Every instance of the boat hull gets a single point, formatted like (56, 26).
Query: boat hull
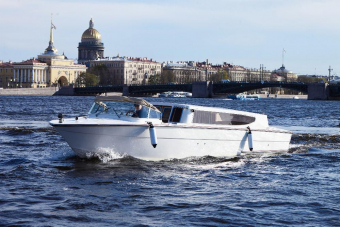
(173, 141)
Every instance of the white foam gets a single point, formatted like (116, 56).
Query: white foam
(228, 164)
(296, 145)
(193, 164)
(105, 154)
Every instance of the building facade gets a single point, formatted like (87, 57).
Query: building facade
(6, 74)
(128, 70)
(90, 47)
(286, 75)
(189, 71)
(49, 69)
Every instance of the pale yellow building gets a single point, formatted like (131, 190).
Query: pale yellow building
(49, 69)
(6, 73)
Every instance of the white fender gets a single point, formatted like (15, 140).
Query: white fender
(250, 139)
(243, 142)
(153, 135)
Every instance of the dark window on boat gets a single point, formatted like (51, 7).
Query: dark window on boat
(159, 108)
(166, 114)
(176, 114)
(206, 117)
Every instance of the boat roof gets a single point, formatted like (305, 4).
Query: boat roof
(206, 108)
(137, 101)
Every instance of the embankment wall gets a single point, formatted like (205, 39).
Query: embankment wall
(29, 91)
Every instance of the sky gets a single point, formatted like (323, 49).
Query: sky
(241, 32)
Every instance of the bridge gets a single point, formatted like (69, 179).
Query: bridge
(221, 88)
(315, 91)
(133, 89)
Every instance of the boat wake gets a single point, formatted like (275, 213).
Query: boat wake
(317, 140)
(303, 142)
(25, 130)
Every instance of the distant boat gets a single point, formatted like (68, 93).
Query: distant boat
(164, 94)
(245, 97)
(296, 97)
(176, 94)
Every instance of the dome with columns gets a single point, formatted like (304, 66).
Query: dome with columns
(91, 46)
(282, 69)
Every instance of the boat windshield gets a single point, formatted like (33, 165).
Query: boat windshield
(123, 109)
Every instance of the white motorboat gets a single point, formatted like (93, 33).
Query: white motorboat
(178, 94)
(164, 94)
(175, 94)
(166, 131)
(248, 97)
(245, 97)
(188, 94)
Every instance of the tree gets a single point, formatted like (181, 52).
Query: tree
(310, 79)
(322, 79)
(80, 81)
(167, 77)
(224, 75)
(86, 79)
(154, 79)
(91, 79)
(220, 75)
(104, 75)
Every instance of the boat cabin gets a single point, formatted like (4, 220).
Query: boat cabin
(190, 114)
(133, 109)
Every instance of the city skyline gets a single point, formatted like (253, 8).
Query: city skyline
(247, 32)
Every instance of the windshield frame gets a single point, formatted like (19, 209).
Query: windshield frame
(126, 109)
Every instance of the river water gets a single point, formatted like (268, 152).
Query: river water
(42, 182)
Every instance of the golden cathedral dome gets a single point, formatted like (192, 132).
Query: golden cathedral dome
(91, 33)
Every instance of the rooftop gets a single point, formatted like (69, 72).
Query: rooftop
(30, 61)
(118, 58)
(6, 64)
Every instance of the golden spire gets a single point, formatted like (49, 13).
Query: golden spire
(51, 32)
(50, 44)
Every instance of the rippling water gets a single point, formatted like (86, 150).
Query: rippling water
(42, 182)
